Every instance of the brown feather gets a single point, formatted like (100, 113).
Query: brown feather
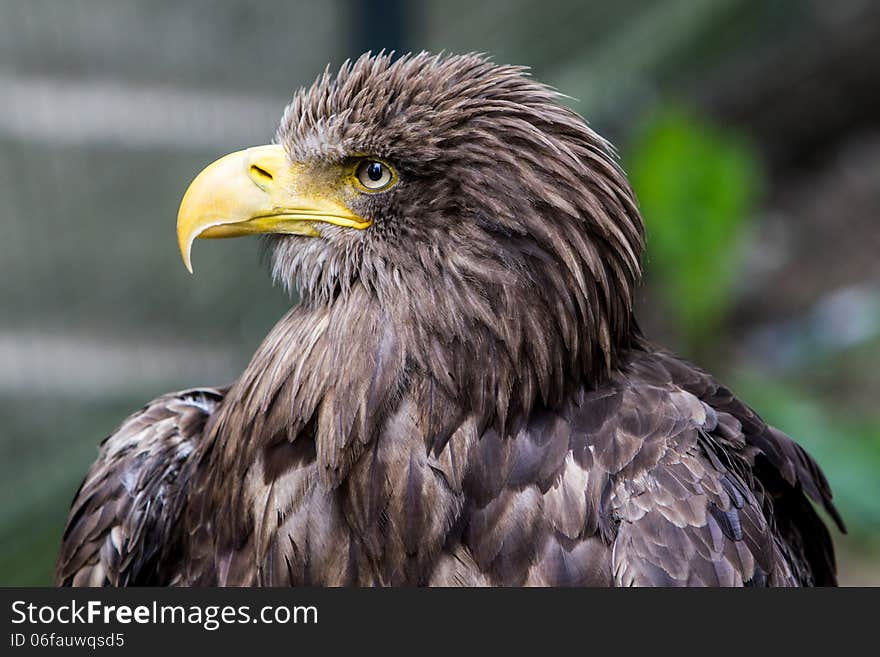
(462, 396)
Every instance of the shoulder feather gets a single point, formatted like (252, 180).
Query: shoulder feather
(120, 522)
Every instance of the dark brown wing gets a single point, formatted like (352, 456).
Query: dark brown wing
(121, 520)
(791, 479)
(657, 478)
(701, 490)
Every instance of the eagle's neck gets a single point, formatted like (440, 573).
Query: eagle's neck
(328, 376)
(322, 375)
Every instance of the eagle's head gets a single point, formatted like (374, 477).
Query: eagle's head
(459, 192)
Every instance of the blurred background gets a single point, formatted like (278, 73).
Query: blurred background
(751, 132)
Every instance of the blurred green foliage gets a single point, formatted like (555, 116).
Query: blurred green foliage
(845, 444)
(43, 462)
(697, 187)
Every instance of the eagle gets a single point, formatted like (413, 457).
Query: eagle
(461, 395)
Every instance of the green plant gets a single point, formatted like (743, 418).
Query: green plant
(697, 185)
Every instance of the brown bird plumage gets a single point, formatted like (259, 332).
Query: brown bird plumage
(463, 396)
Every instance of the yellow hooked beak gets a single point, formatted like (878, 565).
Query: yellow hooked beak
(256, 191)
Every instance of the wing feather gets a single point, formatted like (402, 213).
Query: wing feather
(119, 528)
(711, 495)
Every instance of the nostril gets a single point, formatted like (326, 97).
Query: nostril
(260, 173)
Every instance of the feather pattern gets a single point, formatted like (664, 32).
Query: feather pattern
(636, 482)
(126, 509)
(463, 396)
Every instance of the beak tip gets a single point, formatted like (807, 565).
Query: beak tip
(185, 246)
(187, 261)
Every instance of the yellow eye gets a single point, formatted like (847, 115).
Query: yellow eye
(374, 175)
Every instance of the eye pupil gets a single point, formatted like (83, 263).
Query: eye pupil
(374, 175)
(374, 171)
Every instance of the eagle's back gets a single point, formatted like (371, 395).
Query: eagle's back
(659, 476)
(699, 489)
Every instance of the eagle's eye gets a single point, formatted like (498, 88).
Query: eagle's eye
(375, 176)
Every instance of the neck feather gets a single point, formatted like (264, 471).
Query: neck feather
(332, 373)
